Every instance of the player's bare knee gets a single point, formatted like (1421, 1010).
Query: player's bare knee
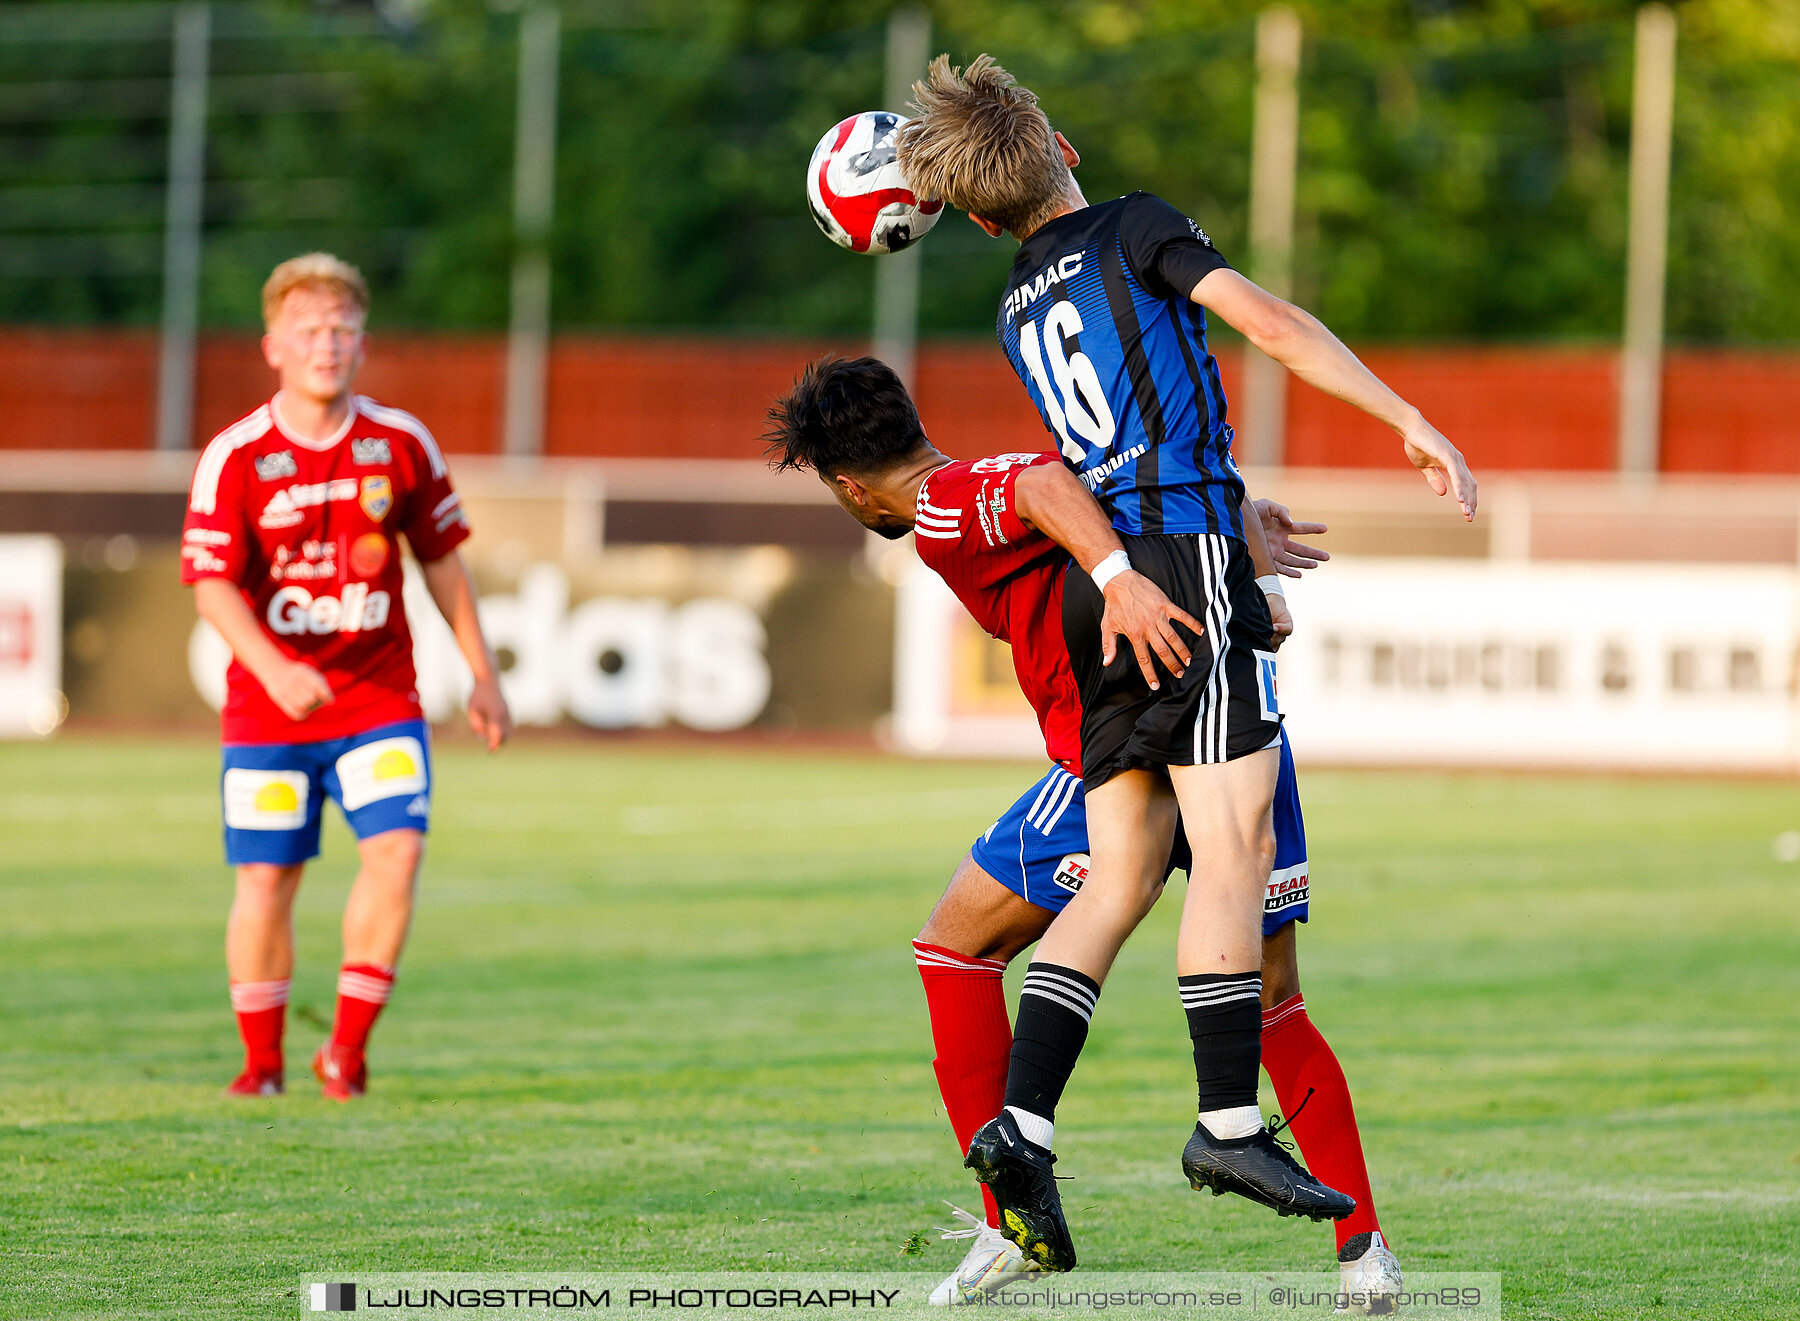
(267, 885)
(393, 855)
(1264, 847)
(1126, 899)
(979, 918)
(1256, 842)
(1148, 893)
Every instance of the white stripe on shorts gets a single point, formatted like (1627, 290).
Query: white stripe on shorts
(1069, 797)
(1212, 726)
(1047, 811)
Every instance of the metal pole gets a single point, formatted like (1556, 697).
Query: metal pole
(534, 201)
(192, 33)
(1274, 160)
(1647, 246)
(896, 330)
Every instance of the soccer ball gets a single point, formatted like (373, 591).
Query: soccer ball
(857, 193)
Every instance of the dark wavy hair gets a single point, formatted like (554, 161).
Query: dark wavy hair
(843, 415)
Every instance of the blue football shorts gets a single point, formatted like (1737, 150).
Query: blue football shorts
(1039, 848)
(274, 793)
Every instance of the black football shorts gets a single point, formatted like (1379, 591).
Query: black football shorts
(1222, 708)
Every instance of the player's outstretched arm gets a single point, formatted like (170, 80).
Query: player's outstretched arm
(1052, 499)
(454, 591)
(294, 686)
(1300, 342)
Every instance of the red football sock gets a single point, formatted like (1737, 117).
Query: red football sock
(261, 1009)
(969, 1027)
(363, 988)
(1299, 1061)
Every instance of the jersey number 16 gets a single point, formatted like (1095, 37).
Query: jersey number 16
(1076, 404)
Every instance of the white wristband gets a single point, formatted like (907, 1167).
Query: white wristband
(1109, 568)
(1271, 585)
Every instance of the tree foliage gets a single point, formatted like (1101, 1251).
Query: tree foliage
(1462, 169)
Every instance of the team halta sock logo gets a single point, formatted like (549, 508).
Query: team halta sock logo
(1072, 871)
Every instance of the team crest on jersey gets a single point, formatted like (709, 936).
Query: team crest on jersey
(377, 497)
(370, 449)
(273, 467)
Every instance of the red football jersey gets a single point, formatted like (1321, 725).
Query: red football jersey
(309, 531)
(1010, 578)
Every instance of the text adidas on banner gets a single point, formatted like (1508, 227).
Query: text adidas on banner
(608, 662)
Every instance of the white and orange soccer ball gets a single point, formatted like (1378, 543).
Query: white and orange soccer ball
(857, 193)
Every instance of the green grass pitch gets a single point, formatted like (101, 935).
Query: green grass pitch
(659, 1011)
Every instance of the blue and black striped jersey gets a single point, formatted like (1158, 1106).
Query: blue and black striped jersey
(1099, 326)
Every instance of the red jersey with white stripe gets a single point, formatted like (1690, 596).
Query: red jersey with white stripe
(309, 531)
(1010, 578)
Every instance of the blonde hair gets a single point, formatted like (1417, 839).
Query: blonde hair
(314, 270)
(979, 141)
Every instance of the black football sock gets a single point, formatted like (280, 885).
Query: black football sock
(1055, 1004)
(1224, 1013)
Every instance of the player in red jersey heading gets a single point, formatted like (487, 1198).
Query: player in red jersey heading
(292, 545)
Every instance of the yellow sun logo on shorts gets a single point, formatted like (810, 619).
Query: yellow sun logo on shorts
(276, 797)
(393, 765)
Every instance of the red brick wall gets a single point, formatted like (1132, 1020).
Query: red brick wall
(1731, 412)
(61, 390)
(687, 397)
(665, 398)
(1504, 408)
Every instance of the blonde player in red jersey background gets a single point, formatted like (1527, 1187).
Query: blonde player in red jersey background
(292, 545)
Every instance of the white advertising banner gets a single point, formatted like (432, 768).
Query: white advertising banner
(608, 662)
(1474, 663)
(1641, 666)
(31, 700)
